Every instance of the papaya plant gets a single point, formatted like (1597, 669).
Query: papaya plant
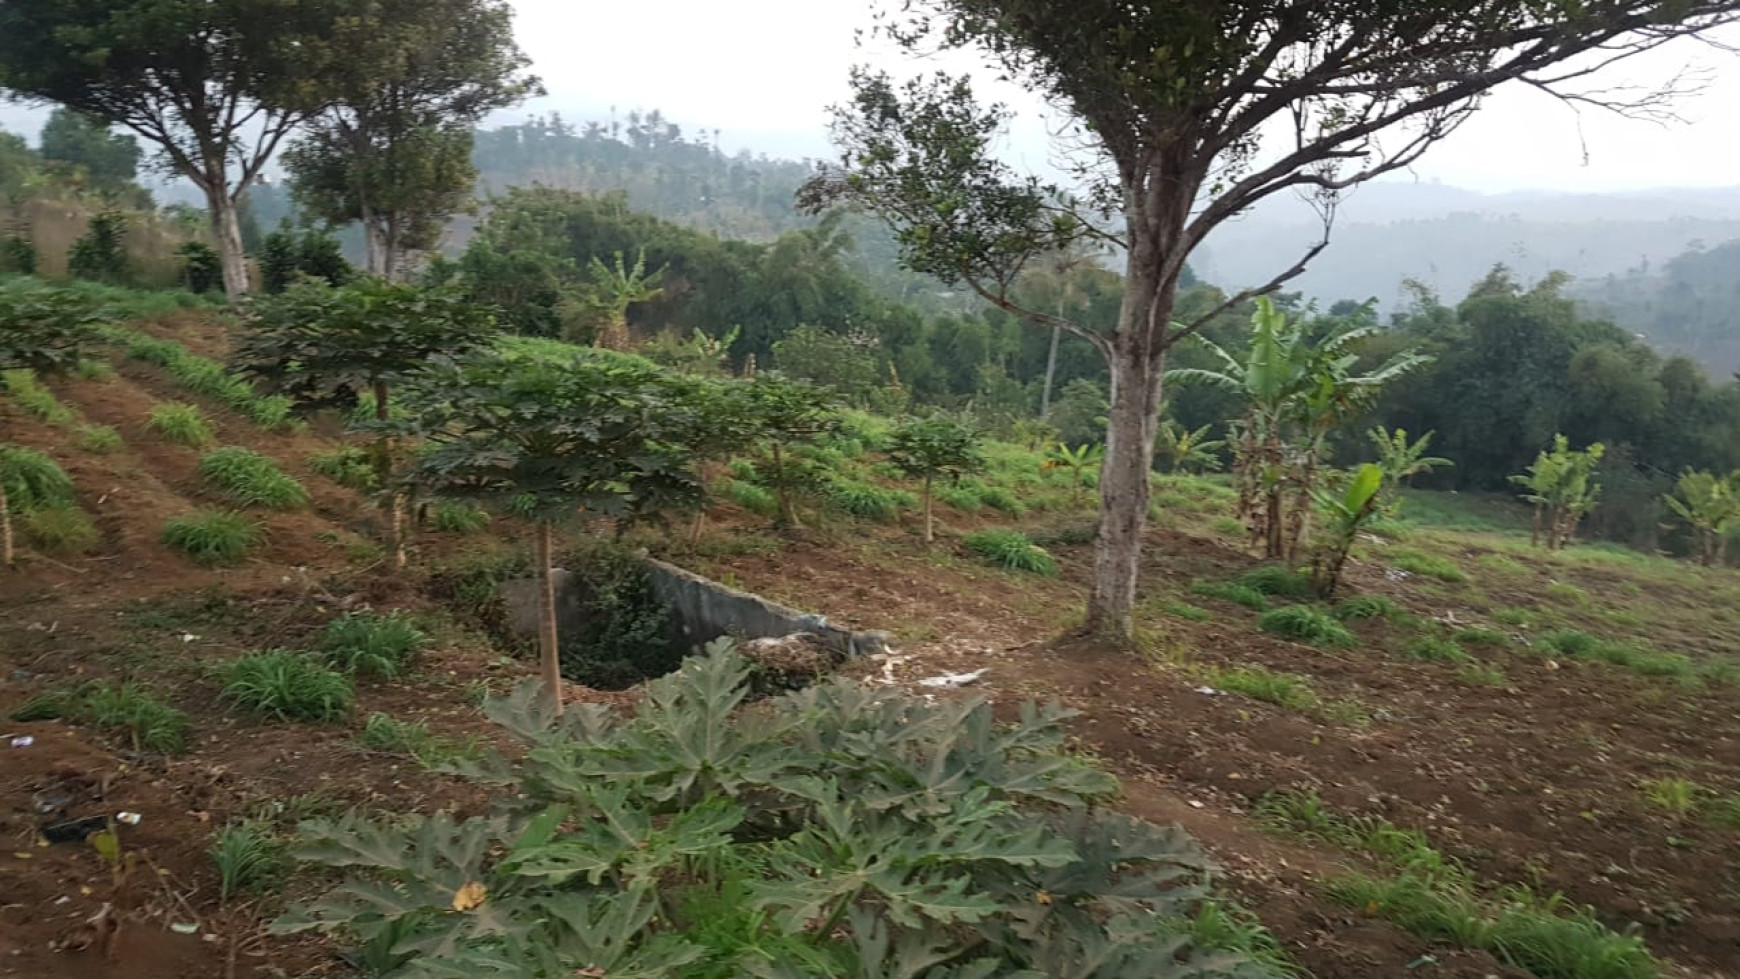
(326, 346)
(928, 449)
(602, 436)
(848, 831)
(785, 416)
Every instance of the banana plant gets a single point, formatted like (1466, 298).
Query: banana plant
(1561, 485)
(1344, 514)
(1710, 505)
(1078, 461)
(1401, 459)
(1187, 451)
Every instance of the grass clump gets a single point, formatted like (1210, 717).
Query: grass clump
(126, 710)
(1477, 635)
(962, 498)
(61, 529)
(1367, 607)
(458, 518)
(1520, 618)
(1287, 690)
(1502, 564)
(1434, 649)
(1644, 662)
(751, 497)
(382, 732)
(1012, 551)
(251, 479)
(371, 645)
(182, 423)
(1678, 797)
(866, 501)
(33, 479)
(289, 686)
(1429, 566)
(1227, 591)
(1223, 924)
(1303, 623)
(1188, 612)
(248, 858)
(100, 439)
(348, 466)
(1276, 581)
(1567, 594)
(33, 397)
(213, 538)
(1477, 674)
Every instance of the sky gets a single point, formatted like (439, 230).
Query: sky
(764, 73)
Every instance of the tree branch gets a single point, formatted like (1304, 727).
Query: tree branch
(1246, 295)
(1002, 302)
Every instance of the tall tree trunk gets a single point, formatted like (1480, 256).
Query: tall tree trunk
(788, 516)
(550, 653)
(929, 534)
(1124, 480)
(226, 227)
(384, 474)
(1051, 367)
(372, 244)
(7, 557)
(1535, 531)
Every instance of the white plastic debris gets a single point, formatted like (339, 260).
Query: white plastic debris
(182, 928)
(23, 741)
(953, 679)
(130, 818)
(1208, 691)
(1195, 805)
(188, 637)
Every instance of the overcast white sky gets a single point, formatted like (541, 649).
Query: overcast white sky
(764, 72)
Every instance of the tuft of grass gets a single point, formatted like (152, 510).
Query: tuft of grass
(1228, 527)
(1481, 675)
(1188, 612)
(1000, 499)
(1276, 581)
(1287, 690)
(1644, 662)
(1428, 565)
(183, 424)
(213, 538)
(1306, 624)
(1724, 811)
(1367, 607)
(61, 529)
(36, 399)
(100, 439)
(1226, 591)
(1477, 635)
(348, 466)
(962, 498)
(1502, 564)
(458, 518)
(383, 732)
(248, 858)
(751, 497)
(251, 479)
(1012, 551)
(90, 369)
(866, 501)
(33, 479)
(1436, 650)
(1567, 594)
(1678, 797)
(1223, 924)
(371, 645)
(1520, 618)
(127, 710)
(287, 685)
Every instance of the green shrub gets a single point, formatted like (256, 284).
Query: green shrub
(371, 645)
(94, 370)
(1226, 591)
(62, 529)
(865, 501)
(100, 439)
(1276, 581)
(33, 480)
(248, 858)
(1306, 624)
(1367, 607)
(962, 498)
(183, 424)
(449, 517)
(287, 685)
(1228, 527)
(1434, 649)
(25, 389)
(999, 499)
(687, 883)
(1428, 566)
(1012, 551)
(148, 724)
(348, 466)
(627, 635)
(251, 479)
(213, 538)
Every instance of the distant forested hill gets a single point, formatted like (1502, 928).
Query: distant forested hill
(1688, 305)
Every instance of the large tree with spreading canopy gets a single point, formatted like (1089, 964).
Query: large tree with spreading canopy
(1186, 114)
